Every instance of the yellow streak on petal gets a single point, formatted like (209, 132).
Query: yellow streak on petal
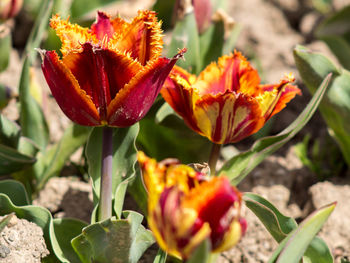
(266, 100)
(71, 35)
(231, 237)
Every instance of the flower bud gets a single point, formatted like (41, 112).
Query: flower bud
(9, 8)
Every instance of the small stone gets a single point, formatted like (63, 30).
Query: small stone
(4, 251)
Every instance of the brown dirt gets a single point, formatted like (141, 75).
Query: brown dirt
(22, 241)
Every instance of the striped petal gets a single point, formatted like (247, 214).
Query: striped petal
(103, 27)
(101, 73)
(135, 99)
(142, 38)
(73, 100)
(228, 117)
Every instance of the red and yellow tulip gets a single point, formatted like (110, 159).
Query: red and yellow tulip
(185, 208)
(226, 102)
(111, 73)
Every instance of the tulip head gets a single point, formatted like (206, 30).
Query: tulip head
(111, 73)
(9, 8)
(185, 208)
(226, 102)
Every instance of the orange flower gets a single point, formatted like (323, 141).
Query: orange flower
(185, 207)
(226, 102)
(111, 73)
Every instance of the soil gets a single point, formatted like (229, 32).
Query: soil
(271, 29)
(22, 241)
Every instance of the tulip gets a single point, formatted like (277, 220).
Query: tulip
(185, 208)
(109, 74)
(9, 8)
(226, 102)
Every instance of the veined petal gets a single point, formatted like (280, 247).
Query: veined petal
(232, 73)
(73, 101)
(228, 117)
(135, 99)
(287, 95)
(71, 35)
(217, 203)
(178, 93)
(101, 72)
(142, 38)
(102, 27)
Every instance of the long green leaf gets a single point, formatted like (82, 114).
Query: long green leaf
(80, 8)
(292, 248)
(5, 46)
(240, 165)
(12, 161)
(160, 257)
(335, 108)
(9, 132)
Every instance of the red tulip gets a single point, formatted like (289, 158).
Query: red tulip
(110, 74)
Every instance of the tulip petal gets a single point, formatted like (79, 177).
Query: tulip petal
(232, 73)
(102, 27)
(214, 200)
(142, 38)
(178, 93)
(73, 101)
(228, 117)
(71, 35)
(134, 100)
(101, 73)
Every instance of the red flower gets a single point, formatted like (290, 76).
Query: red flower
(109, 74)
(226, 102)
(185, 208)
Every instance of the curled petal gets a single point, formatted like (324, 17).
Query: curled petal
(142, 38)
(73, 101)
(135, 99)
(228, 117)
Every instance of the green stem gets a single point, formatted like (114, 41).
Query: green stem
(213, 158)
(105, 204)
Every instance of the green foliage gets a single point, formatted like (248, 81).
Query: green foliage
(5, 46)
(124, 158)
(335, 31)
(240, 165)
(113, 240)
(82, 7)
(201, 253)
(335, 108)
(12, 161)
(160, 257)
(283, 228)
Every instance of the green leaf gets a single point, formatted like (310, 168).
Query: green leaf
(113, 240)
(335, 31)
(38, 215)
(240, 165)
(80, 8)
(160, 257)
(335, 108)
(201, 253)
(5, 221)
(9, 132)
(124, 156)
(211, 43)
(277, 224)
(15, 191)
(66, 229)
(292, 248)
(164, 11)
(5, 46)
(50, 164)
(38, 30)
(32, 118)
(185, 34)
(318, 252)
(12, 161)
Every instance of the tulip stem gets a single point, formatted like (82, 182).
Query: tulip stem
(105, 204)
(213, 158)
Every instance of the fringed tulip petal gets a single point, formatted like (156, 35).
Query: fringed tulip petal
(73, 101)
(185, 208)
(142, 38)
(115, 64)
(71, 35)
(133, 101)
(226, 103)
